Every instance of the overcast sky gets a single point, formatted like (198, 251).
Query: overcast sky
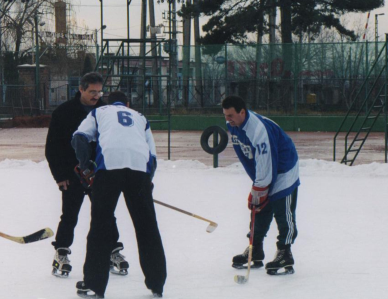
(115, 17)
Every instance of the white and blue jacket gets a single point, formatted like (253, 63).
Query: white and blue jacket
(267, 154)
(124, 138)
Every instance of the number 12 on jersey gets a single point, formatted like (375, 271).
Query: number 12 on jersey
(262, 148)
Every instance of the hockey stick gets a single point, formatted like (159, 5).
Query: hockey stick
(240, 279)
(37, 236)
(212, 226)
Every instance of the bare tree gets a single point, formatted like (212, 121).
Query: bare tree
(18, 20)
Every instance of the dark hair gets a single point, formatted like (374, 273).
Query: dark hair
(90, 78)
(117, 96)
(234, 102)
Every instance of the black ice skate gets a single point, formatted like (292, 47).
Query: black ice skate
(61, 263)
(118, 265)
(156, 295)
(283, 259)
(84, 291)
(240, 260)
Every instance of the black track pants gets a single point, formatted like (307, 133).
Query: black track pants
(136, 187)
(283, 210)
(72, 200)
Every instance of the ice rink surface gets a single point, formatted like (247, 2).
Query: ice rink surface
(341, 218)
(23, 143)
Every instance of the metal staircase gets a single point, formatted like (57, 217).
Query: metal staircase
(136, 64)
(368, 106)
(132, 64)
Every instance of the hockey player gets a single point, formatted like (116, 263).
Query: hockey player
(62, 161)
(271, 161)
(126, 161)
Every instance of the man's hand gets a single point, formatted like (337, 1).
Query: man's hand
(63, 185)
(258, 198)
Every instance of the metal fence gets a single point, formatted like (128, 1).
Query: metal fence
(292, 79)
(19, 100)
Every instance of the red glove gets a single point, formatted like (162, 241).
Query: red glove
(258, 198)
(86, 176)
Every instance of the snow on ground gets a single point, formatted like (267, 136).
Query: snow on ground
(340, 251)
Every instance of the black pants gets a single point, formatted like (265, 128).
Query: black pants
(72, 200)
(136, 187)
(283, 210)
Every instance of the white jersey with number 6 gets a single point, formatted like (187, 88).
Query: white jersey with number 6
(123, 135)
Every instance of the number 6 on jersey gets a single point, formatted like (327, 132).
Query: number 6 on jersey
(124, 118)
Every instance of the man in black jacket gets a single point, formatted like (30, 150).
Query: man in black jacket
(62, 160)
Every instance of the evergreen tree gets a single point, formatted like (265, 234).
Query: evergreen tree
(309, 16)
(231, 20)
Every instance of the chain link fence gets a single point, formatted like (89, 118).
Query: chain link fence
(278, 79)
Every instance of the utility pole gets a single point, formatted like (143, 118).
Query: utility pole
(198, 61)
(128, 33)
(37, 71)
(173, 49)
(376, 32)
(102, 31)
(1, 56)
(155, 61)
(1, 60)
(186, 58)
(376, 26)
(377, 39)
(142, 62)
(96, 45)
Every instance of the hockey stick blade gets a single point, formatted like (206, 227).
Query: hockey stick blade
(240, 279)
(37, 236)
(211, 227)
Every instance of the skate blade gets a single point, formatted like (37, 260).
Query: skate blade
(121, 272)
(287, 271)
(60, 274)
(84, 294)
(255, 265)
(240, 279)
